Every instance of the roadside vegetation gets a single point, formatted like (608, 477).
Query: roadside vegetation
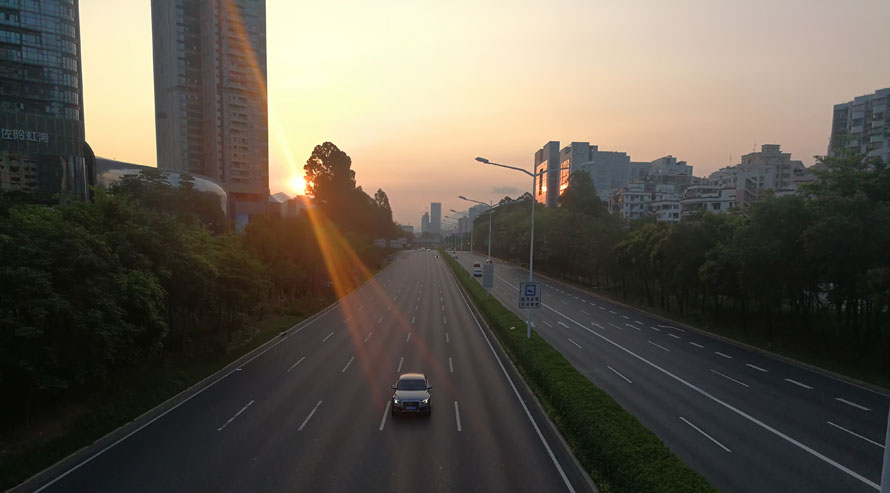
(110, 307)
(619, 453)
(806, 275)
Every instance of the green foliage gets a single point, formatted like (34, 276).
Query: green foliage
(617, 451)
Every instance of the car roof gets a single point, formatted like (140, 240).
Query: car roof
(412, 376)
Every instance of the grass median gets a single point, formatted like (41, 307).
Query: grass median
(619, 453)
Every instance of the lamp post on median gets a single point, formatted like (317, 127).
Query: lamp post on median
(467, 216)
(490, 212)
(531, 249)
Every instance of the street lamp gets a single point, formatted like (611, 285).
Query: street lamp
(490, 211)
(531, 249)
(467, 215)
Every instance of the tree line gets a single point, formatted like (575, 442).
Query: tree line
(145, 270)
(809, 270)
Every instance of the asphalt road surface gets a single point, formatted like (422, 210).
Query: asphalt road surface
(747, 421)
(310, 412)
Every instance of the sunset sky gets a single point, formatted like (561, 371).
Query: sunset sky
(413, 91)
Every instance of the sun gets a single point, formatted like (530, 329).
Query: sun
(297, 184)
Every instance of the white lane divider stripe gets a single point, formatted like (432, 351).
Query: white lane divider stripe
(709, 437)
(327, 337)
(347, 319)
(671, 327)
(660, 347)
(564, 302)
(730, 378)
(235, 416)
(389, 308)
(612, 312)
(385, 414)
(845, 401)
(855, 434)
(380, 319)
(560, 323)
(368, 336)
(637, 321)
(457, 416)
(718, 353)
(401, 360)
(675, 336)
(755, 367)
(597, 325)
(309, 417)
(795, 382)
(347, 365)
(625, 317)
(632, 326)
(656, 329)
(696, 344)
(575, 343)
(585, 312)
(450, 365)
(295, 364)
(408, 339)
(412, 320)
(619, 374)
(547, 323)
(447, 339)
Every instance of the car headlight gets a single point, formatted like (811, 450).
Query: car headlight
(395, 400)
(426, 401)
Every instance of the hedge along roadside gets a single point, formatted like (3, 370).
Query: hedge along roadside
(618, 452)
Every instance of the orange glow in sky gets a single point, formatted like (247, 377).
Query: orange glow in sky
(414, 91)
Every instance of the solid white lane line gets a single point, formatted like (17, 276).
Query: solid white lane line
(671, 327)
(450, 365)
(705, 434)
(718, 353)
(235, 416)
(547, 323)
(408, 339)
(327, 337)
(347, 365)
(309, 417)
(845, 401)
(730, 378)
(585, 312)
(447, 339)
(619, 374)
(656, 329)
(380, 319)
(575, 343)
(795, 382)
(457, 416)
(401, 360)
(661, 347)
(368, 336)
(675, 336)
(560, 323)
(295, 364)
(755, 367)
(705, 394)
(385, 414)
(855, 434)
(696, 345)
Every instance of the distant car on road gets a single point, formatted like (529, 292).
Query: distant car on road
(477, 270)
(477, 264)
(488, 261)
(411, 394)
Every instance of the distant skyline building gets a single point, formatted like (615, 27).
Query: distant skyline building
(436, 217)
(211, 113)
(42, 148)
(425, 223)
(863, 124)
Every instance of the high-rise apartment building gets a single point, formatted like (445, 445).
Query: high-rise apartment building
(863, 124)
(41, 100)
(211, 113)
(436, 218)
(425, 223)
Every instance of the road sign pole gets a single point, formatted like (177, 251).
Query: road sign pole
(531, 259)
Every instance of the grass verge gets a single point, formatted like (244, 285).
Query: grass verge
(619, 453)
(26, 452)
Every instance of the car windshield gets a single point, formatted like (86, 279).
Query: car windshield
(411, 384)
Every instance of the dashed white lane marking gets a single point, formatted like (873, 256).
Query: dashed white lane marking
(597, 325)
(601, 307)
(619, 374)
(632, 326)
(755, 367)
(637, 321)
(389, 308)
(457, 416)
(855, 434)
(368, 336)
(444, 320)
(616, 326)
(443, 308)
(347, 365)
(447, 339)
(561, 323)
(347, 320)
(235, 416)
(696, 345)
(671, 327)
(660, 347)
(327, 337)
(656, 329)
(612, 312)
(718, 353)
(408, 339)
(564, 302)
(857, 406)
(795, 382)
(309, 417)
(575, 343)
(585, 312)
(385, 414)
(380, 319)
(295, 364)
(412, 320)
(450, 365)
(401, 360)
(547, 323)
(625, 317)
(730, 378)
(675, 336)
(709, 437)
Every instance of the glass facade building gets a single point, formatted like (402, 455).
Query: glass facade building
(41, 100)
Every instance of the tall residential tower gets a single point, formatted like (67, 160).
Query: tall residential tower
(863, 125)
(211, 113)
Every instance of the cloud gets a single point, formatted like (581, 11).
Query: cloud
(506, 190)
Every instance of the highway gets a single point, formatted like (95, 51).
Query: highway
(748, 422)
(309, 411)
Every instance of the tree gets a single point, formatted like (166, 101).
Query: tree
(329, 176)
(580, 196)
